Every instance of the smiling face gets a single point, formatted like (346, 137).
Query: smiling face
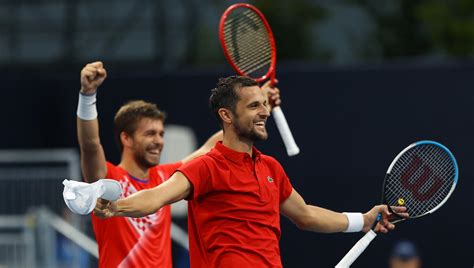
(251, 114)
(146, 143)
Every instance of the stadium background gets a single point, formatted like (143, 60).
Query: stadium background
(360, 80)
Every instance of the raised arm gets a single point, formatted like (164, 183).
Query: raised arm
(93, 163)
(148, 201)
(317, 219)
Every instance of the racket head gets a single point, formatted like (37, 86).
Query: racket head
(248, 42)
(421, 177)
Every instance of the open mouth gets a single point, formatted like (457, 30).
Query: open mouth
(260, 124)
(154, 151)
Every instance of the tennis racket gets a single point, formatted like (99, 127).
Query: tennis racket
(249, 46)
(422, 177)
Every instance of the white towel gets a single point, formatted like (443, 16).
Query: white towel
(81, 197)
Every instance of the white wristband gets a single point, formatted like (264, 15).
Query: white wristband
(86, 109)
(356, 222)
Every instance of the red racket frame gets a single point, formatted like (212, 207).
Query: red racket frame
(271, 72)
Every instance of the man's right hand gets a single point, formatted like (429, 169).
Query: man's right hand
(384, 225)
(105, 209)
(92, 76)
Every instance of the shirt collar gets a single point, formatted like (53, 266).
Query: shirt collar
(234, 156)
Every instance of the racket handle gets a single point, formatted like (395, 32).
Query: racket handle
(285, 132)
(356, 250)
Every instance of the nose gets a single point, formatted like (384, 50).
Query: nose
(265, 111)
(158, 139)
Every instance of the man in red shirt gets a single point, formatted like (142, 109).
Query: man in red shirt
(128, 242)
(236, 193)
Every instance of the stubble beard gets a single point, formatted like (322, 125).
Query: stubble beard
(141, 159)
(251, 134)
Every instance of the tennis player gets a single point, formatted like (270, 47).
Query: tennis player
(236, 193)
(128, 242)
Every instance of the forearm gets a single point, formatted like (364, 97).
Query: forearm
(93, 163)
(211, 142)
(88, 132)
(324, 220)
(317, 219)
(140, 204)
(218, 136)
(149, 201)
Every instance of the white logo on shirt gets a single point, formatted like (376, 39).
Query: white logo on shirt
(143, 223)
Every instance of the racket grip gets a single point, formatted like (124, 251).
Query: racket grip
(356, 250)
(285, 132)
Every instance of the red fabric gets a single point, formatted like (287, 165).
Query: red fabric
(136, 242)
(234, 210)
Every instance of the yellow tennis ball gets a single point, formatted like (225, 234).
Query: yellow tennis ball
(401, 201)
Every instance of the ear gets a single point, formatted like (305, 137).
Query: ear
(125, 139)
(226, 115)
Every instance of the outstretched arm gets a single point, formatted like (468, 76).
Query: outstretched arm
(148, 201)
(93, 163)
(312, 218)
(317, 219)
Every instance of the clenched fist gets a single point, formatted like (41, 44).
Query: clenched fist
(92, 76)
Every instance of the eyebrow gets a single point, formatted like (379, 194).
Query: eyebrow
(148, 131)
(253, 103)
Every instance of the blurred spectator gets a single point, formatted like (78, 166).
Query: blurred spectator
(404, 255)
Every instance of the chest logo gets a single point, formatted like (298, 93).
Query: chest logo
(270, 179)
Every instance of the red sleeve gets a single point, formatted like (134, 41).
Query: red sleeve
(199, 175)
(285, 185)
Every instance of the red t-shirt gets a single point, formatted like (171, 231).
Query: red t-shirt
(136, 242)
(234, 209)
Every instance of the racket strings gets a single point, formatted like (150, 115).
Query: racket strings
(237, 23)
(248, 42)
(418, 188)
(249, 51)
(423, 177)
(445, 171)
(252, 59)
(249, 27)
(243, 50)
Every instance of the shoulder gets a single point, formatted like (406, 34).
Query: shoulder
(212, 156)
(270, 160)
(207, 163)
(113, 171)
(110, 165)
(167, 166)
(205, 159)
(164, 171)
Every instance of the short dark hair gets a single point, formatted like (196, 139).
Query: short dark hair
(225, 94)
(129, 115)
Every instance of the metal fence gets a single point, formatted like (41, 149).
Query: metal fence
(29, 201)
